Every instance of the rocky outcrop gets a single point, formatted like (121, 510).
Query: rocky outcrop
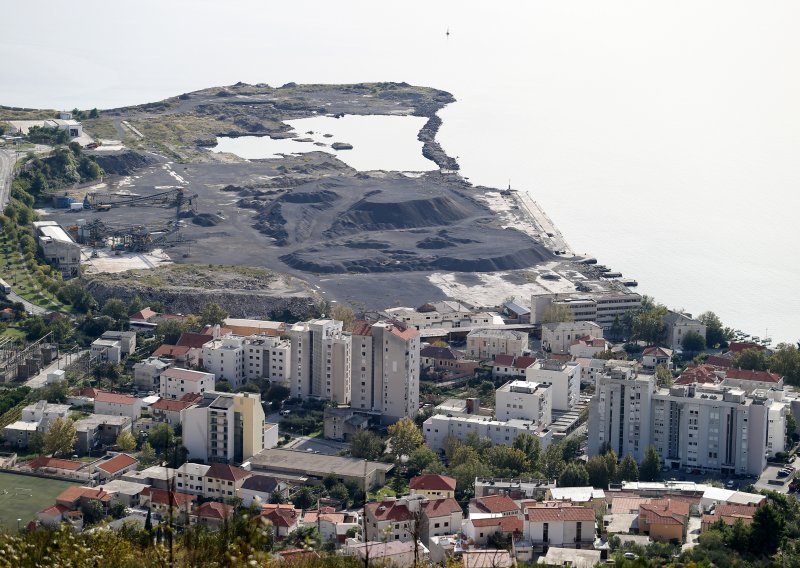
(122, 163)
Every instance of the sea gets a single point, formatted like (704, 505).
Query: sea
(661, 137)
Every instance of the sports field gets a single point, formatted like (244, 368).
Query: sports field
(22, 496)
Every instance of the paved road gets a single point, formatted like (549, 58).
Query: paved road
(40, 380)
(7, 160)
(30, 308)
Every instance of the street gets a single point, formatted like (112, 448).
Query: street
(40, 380)
(30, 308)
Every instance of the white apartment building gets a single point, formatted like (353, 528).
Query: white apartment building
(224, 357)
(225, 427)
(558, 337)
(147, 373)
(564, 378)
(127, 340)
(486, 343)
(267, 357)
(35, 418)
(189, 478)
(447, 315)
(321, 360)
(106, 350)
(114, 404)
(558, 524)
(175, 382)
(439, 426)
(385, 369)
(678, 325)
(600, 302)
(523, 400)
(619, 412)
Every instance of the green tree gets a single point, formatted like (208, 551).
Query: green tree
(126, 442)
(135, 305)
(345, 315)
(531, 447)
(161, 437)
(556, 313)
(751, 360)
(405, 437)
(94, 113)
(693, 342)
(213, 314)
(424, 460)
(791, 427)
(648, 325)
(367, 445)
(785, 361)
(505, 461)
(628, 469)
(767, 529)
(116, 309)
(650, 469)
(715, 334)
(147, 455)
(610, 457)
(36, 443)
(277, 498)
(92, 511)
(597, 471)
(339, 492)
(277, 393)
(148, 522)
(465, 475)
(117, 510)
(553, 461)
(60, 438)
(617, 331)
(574, 475)
(304, 499)
(663, 376)
(171, 330)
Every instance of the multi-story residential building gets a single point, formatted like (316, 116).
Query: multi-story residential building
(654, 356)
(440, 517)
(173, 411)
(558, 337)
(225, 427)
(486, 343)
(127, 340)
(98, 431)
(223, 481)
(106, 350)
(559, 524)
(321, 360)
(510, 366)
(58, 248)
(177, 383)
(146, 373)
(267, 357)
(412, 517)
(35, 418)
(479, 529)
(224, 356)
(524, 400)
(115, 404)
(563, 378)
(189, 478)
(619, 412)
(678, 325)
(439, 427)
(514, 488)
(385, 369)
(588, 347)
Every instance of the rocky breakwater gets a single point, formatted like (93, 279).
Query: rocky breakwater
(242, 291)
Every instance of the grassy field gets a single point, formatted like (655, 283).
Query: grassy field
(21, 497)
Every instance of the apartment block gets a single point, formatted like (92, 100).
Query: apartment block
(225, 358)
(558, 337)
(321, 360)
(564, 378)
(486, 343)
(438, 427)
(600, 301)
(147, 373)
(385, 369)
(225, 427)
(177, 383)
(523, 400)
(267, 357)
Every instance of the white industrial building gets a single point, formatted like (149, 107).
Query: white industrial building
(600, 301)
(58, 248)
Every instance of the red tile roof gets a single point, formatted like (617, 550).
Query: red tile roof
(195, 340)
(664, 512)
(88, 392)
(115, 398)
(143, 315)
(118, 463)
(698, 374)
(362, 328)
(54, 510)
(503, 360)
(553, 512)
(54, 463)
(280, 515)
(496, 504)
(169, 405)
(226, 472)
(172, 351)
(507, 524)
(162, 497)
(737, 346)
(657, 351)
(763, 376)
(719, 361)
(388, 511)
(432, 482)
(441, 507)
(72, 494)
(523, 362)
(214, 510)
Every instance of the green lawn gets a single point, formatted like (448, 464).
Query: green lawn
(22, 496)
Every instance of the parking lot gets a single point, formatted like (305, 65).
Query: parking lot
(769, 480)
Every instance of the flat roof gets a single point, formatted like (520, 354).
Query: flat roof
(56, 233)
(314, 464)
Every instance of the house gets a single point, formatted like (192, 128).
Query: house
(168, 503)
(395, 554)
(74, 497)
(175, 382)
(146, 373)
(555, 523)
(127, 340)
(106, 350)
(115, 467)
(52, 515)
(664, 520)
(259, 489)
(678, 326)
(511, 366)
(173, 411)
(223, 481)
(54, 466)
(495, 505)
(487, 343)
(654, 356)
(189, 478)
(584, 496)
(588, 346)
(440, 517)
(126, 492)
(446, 361)
(729, 514)
(99, 430)
(479, 530)
(211, 514)
(391, 519)
(181, 355)
(557, 337)
(433, 486)
(340, 423)
(284, 518)
(115, 404)
(332, 526)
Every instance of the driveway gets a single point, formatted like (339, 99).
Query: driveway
(692, 533)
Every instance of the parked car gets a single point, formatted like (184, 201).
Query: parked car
(285, 412)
